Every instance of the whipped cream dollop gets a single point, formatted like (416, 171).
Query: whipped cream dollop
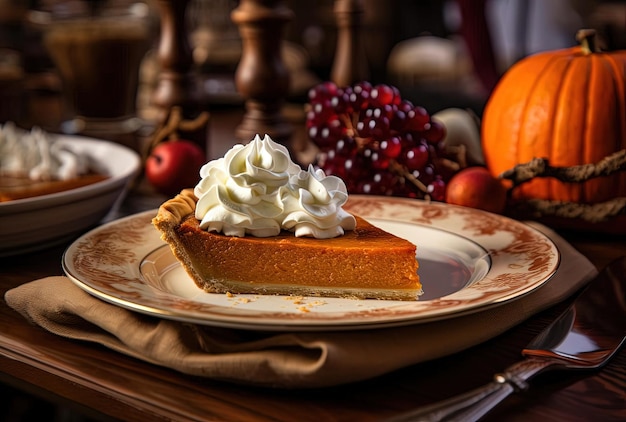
(257, 189)
(35, 155)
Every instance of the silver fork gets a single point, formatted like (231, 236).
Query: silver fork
(584, 336)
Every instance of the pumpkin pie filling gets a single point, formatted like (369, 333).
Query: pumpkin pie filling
(12, 188)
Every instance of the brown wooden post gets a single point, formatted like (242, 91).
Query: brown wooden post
(261, 77)
(350, 62)
(176, 83)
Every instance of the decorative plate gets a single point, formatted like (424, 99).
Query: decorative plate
(469, 260)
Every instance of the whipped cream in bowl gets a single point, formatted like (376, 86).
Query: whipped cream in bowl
(38, 156)
(256, 189)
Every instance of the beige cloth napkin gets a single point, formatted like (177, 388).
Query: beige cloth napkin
(295, 360)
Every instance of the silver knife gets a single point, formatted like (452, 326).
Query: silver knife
(584, 336)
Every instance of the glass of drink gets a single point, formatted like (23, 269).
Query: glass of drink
(98, 55)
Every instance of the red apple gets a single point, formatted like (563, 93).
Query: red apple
(475, 187)
(174, 165)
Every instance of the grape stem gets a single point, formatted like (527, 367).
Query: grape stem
(350, 128)
(351, 131)
(460, 153)
(394, 166)
(402, 171)
(452, 165)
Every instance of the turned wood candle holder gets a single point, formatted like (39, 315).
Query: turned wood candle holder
(176, 83)
(261, 77)
(350, 63)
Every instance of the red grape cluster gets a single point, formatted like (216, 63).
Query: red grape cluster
(377, 142)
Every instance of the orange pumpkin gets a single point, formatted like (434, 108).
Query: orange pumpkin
(568, 106)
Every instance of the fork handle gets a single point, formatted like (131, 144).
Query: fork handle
(469, 406)
(474, 404)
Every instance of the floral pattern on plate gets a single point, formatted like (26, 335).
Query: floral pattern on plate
(469, 260)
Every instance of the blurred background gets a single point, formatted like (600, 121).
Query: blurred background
(439, 53)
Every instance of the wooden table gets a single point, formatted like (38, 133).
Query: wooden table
(100, 382)
(108, 385)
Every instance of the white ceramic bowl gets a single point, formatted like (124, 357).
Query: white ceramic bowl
(35, 223)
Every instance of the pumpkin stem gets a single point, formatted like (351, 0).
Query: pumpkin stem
(587, 40)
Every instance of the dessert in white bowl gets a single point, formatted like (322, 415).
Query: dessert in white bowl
(39, 221)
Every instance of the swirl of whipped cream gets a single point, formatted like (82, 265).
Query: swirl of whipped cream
(239, 194)
(313, 205)
(256, 189)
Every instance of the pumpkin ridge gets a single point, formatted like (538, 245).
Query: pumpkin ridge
(547, 186)
(525, 115)
(620, 86)
(562, 94)
(587, 130)
(619, 80)
(616, 123)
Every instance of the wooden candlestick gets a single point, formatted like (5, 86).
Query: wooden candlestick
(261, 77)
(350, 62)
(176, 83)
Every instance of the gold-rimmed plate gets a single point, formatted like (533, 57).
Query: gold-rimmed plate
(470, 260)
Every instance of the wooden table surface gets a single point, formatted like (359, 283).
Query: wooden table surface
(110, 384)
(102, 383)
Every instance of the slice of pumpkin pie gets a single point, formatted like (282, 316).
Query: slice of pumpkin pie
(258, 223)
